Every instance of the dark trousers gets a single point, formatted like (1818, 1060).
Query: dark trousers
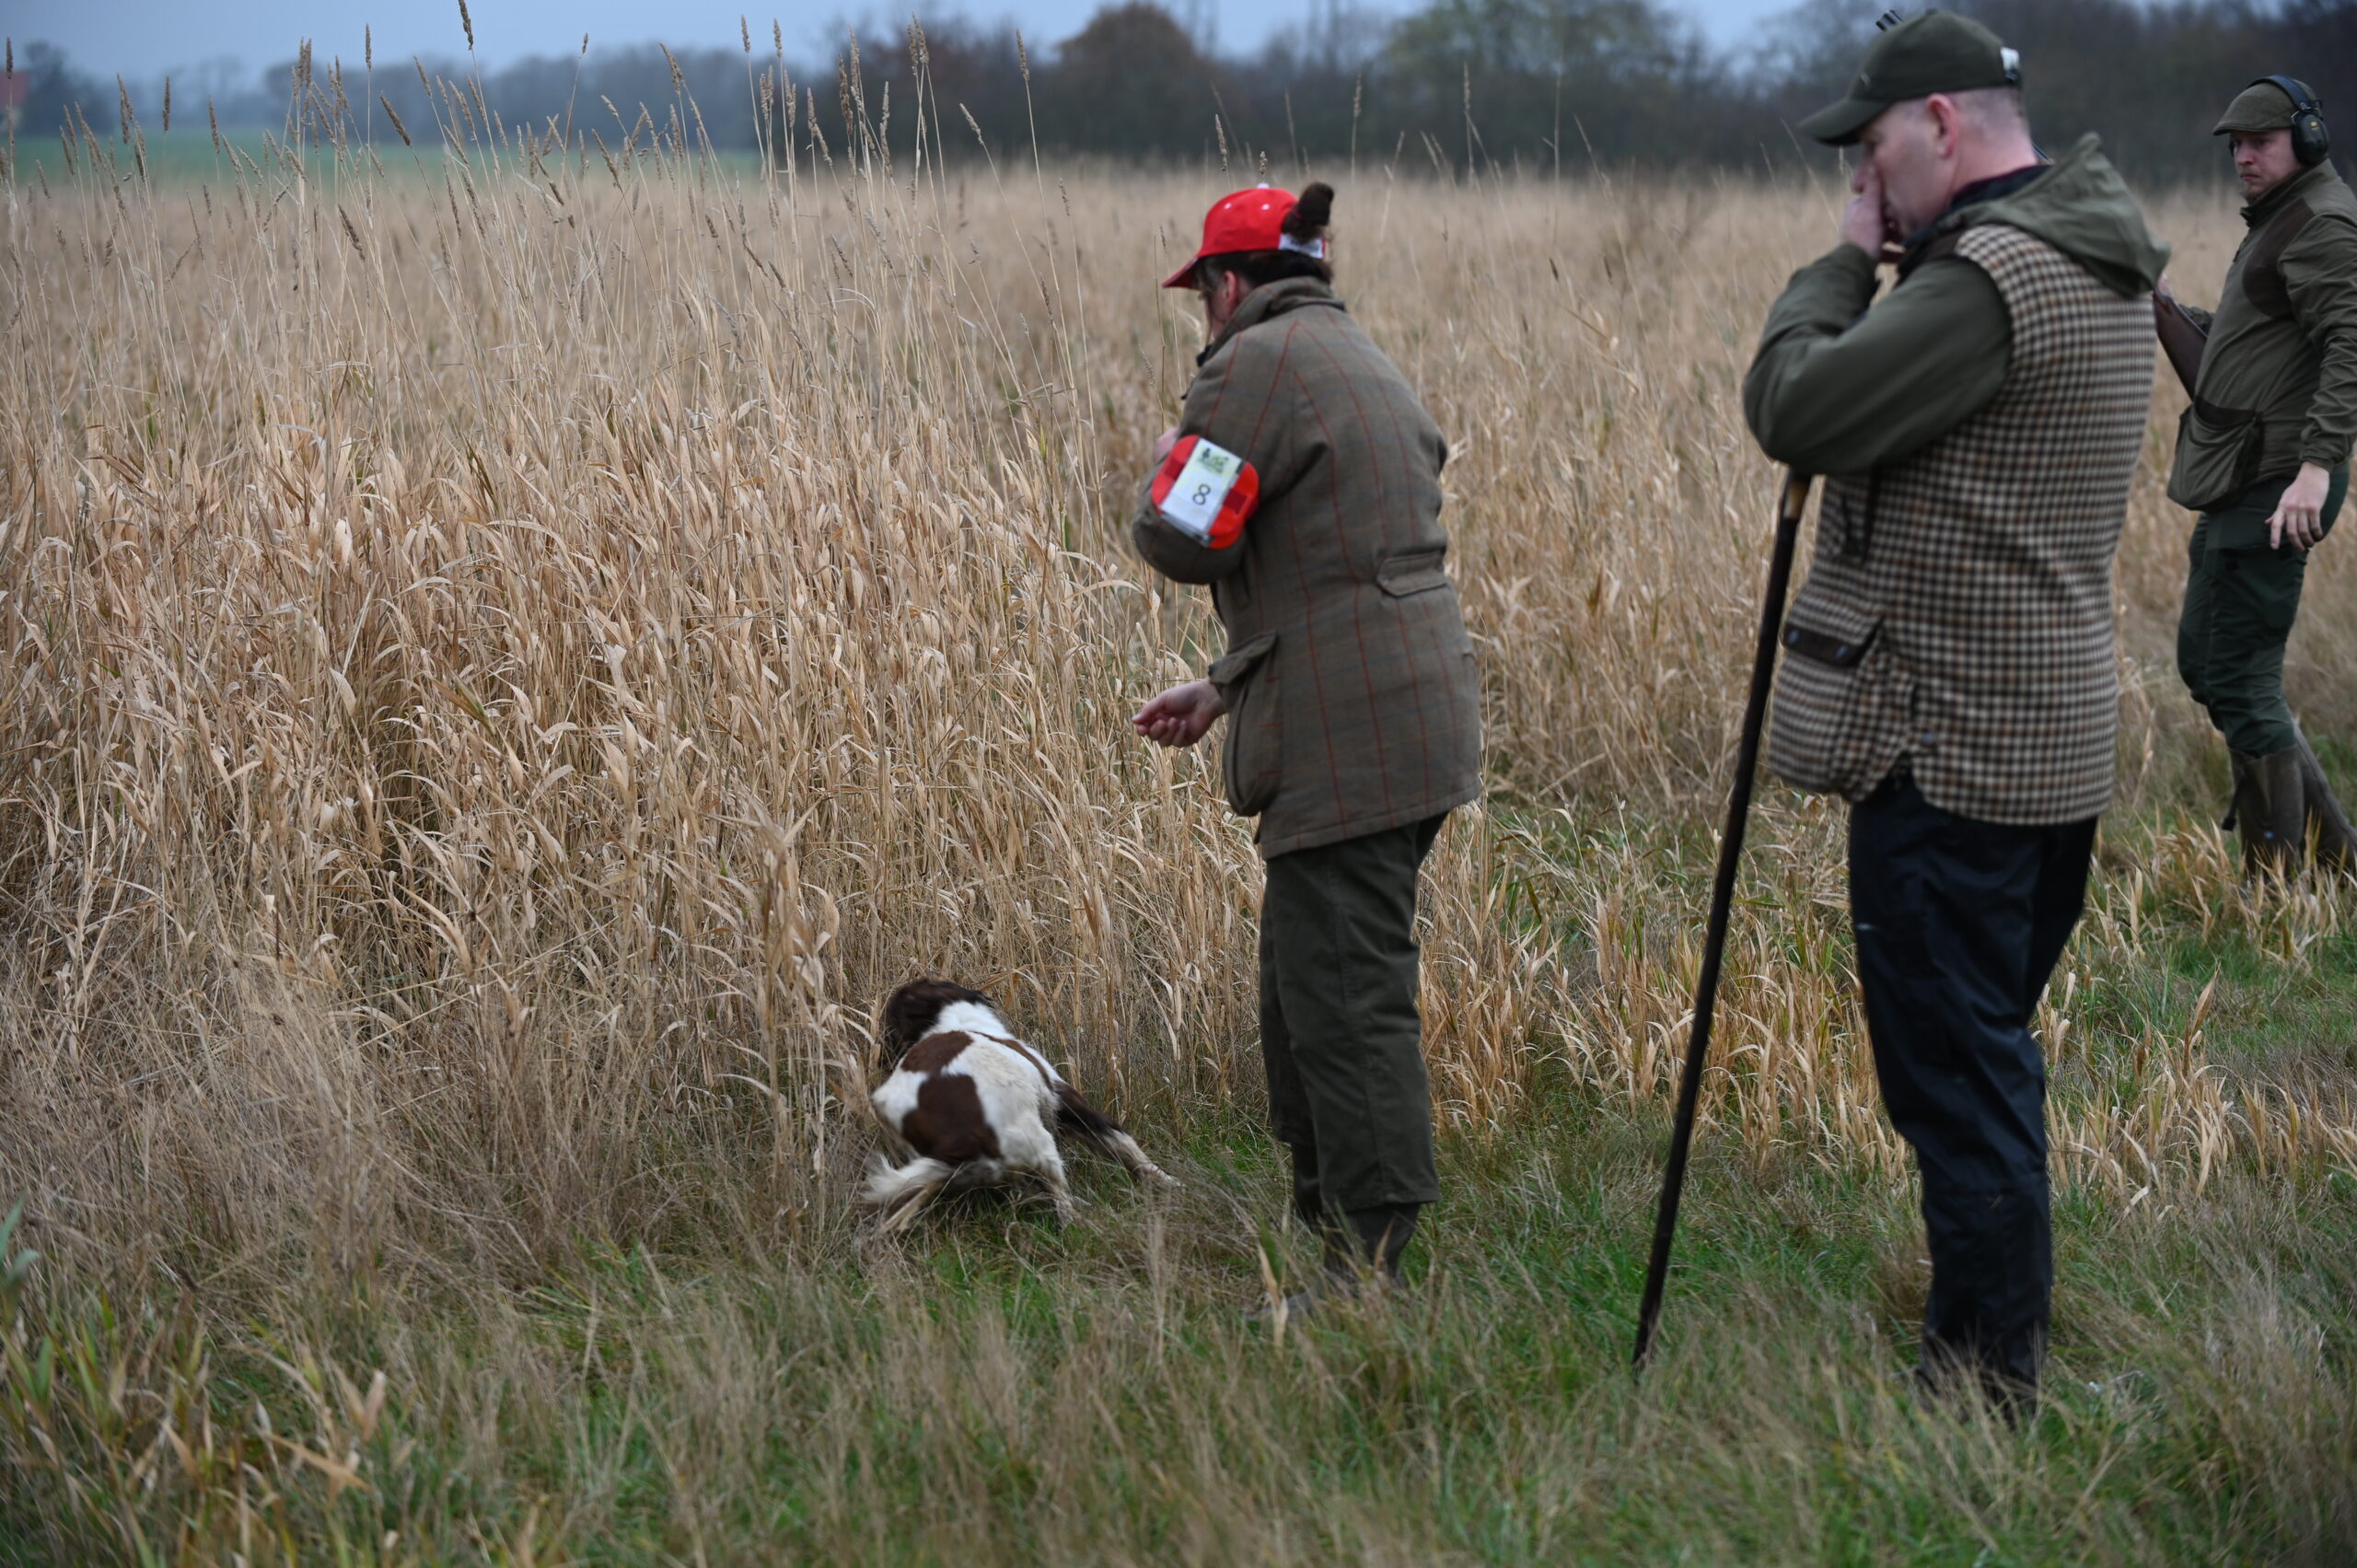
(1339, 1027)
(2241, 598)
(1959, 924)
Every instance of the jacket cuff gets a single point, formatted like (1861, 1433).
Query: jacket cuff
(2328, 452)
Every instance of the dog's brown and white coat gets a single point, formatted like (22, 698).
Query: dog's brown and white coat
(971, 1104)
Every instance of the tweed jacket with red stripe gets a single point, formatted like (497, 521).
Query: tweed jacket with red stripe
(1354, 704)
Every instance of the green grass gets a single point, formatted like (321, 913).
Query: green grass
(189, 157)
(183, 156)
(762, 1381)
(995, 1390)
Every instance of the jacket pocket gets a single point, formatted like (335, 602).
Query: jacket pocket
(2218, 452)
(1838, 696)
(1252, 754)
(1413, 572)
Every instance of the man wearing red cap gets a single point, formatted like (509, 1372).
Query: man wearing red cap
(1303, 484)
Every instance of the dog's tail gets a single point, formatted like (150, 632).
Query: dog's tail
(900, 1192)
(1076, 1115)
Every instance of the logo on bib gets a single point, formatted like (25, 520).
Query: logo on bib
(1205, 492)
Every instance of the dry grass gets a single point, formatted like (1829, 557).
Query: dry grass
(505, 663)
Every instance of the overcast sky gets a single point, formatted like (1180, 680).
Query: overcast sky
(146, 38)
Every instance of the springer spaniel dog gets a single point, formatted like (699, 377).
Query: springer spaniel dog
(969, 1105)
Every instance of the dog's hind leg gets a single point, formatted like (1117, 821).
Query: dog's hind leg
(1125, 1149)
(1051, 1172)
(1076, 1115)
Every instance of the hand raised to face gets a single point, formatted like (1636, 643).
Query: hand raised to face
(1864, 223)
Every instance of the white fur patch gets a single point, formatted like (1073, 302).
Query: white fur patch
(975, 1020)
(1014, 1083)
(897, 1096)
(1014, 1101)
(1017, 1087)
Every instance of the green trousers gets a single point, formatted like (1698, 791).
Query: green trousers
(1340, 1032)
(2240, 601)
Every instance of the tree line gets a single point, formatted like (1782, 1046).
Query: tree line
(1456, 85)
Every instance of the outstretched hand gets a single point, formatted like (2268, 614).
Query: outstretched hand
(1181, 715)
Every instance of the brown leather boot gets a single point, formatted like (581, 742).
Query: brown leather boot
(2271, 812)
(2336, 840)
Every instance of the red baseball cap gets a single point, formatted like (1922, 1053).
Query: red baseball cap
(1248, 220)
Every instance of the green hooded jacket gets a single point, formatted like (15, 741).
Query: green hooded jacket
(2278, 386)
(1837, 388)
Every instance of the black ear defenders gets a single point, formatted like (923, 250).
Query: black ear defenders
(2311, 143)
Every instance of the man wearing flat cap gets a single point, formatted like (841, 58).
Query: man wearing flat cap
(2263, 457)
(1948, 665)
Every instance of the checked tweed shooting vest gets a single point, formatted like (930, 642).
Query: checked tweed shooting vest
(1958, 611)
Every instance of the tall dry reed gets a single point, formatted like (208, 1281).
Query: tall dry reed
(510, 654)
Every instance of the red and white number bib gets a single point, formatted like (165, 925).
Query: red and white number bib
(1205, 492)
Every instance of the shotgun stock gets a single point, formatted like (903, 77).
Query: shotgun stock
(2181, 339)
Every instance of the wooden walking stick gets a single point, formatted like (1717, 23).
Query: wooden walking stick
(1793, 501)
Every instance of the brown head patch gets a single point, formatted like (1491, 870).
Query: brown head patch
(910, 1011)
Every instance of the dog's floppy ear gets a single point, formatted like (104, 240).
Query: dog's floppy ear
(909, 1011)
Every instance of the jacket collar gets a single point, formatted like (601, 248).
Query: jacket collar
(1270, 300)
(1979, 190)
(2300, 185)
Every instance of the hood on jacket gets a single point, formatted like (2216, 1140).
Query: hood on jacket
(2081, 207)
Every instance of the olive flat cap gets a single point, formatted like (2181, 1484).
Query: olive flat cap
(2262, 106)
(1936, 52)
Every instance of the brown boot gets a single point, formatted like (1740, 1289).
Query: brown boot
(2271, 812)
(2335, 840)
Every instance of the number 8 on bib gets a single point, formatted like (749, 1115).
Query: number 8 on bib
(1205, 492)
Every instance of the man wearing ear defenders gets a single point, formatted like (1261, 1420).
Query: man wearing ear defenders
(2263, 457)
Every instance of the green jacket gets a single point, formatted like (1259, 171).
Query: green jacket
(2278, 386)
(1837, 388)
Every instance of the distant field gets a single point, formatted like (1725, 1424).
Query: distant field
(508, 663)
(181, 159)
